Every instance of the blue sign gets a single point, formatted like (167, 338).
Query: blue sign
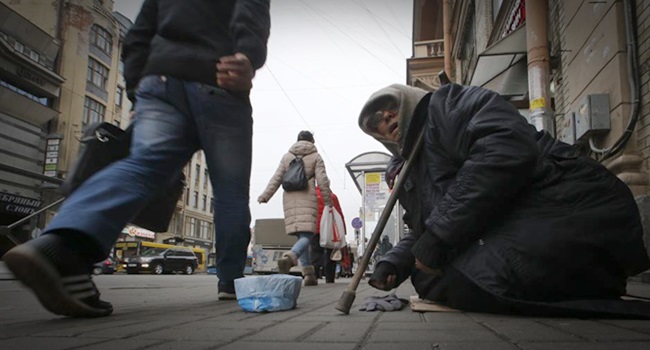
(356, 223)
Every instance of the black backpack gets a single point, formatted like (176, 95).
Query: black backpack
(294, 178)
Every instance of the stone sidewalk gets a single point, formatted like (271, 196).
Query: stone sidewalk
(181, 312)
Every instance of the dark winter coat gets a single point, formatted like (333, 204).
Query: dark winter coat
(527, 218)
(185, 39)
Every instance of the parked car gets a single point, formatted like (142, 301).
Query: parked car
(159, 261)
(107, 266)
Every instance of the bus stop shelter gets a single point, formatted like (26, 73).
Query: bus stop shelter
(368, 170)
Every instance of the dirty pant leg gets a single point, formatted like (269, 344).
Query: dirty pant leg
(162, 143)
(301, 247)
(225, 128)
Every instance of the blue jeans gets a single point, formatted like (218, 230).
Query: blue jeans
(301, 247)
(170, 125)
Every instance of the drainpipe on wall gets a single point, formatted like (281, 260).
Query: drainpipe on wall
(446, 24)
(541, 115)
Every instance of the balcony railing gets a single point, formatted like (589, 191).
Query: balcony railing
(429, 48)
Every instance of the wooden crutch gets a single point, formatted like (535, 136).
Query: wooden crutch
(346, 300)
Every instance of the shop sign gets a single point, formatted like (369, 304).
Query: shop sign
(517, 17)
(14, 204)
(139, 232)
(52, 154)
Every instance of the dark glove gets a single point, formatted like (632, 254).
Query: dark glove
(379, 277)
(431, 251)
(386, 303)
(393, 169)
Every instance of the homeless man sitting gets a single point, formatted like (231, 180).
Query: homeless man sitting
(504, 219)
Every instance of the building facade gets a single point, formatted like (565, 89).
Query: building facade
(60, 71)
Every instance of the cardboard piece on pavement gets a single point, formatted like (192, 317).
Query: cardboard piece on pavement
(423, 305)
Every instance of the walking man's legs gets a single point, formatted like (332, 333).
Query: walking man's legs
(225, 130)
(57, 265)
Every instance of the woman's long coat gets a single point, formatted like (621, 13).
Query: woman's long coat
(301, 207)
(529, 218)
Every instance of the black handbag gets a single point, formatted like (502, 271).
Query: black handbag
(103, 144)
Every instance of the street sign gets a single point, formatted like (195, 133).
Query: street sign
(356, 223)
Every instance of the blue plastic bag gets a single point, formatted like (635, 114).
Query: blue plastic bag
(268, 293)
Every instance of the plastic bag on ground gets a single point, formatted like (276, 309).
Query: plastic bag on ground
(268, 293)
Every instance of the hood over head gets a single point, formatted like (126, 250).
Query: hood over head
(302, 148)
(404, 98)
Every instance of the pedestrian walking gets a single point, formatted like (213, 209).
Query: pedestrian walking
(188, 67)
(320, 256)
(300, 206)
(505, 218)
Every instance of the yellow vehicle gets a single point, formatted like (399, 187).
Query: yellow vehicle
(125, 250)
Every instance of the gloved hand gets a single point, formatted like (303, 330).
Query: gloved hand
(384, 277)
(431, 253)
(386, 303)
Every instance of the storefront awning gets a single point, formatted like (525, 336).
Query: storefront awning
(499, 67)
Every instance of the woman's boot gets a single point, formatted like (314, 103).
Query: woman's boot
(288, 261)
(309, 276)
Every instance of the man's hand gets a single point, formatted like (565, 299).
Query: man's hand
(384, 277)
(235, 73)
(261, 200)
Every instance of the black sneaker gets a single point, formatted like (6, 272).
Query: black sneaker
(63, 289)
(226, 291)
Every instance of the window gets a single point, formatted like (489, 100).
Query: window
(42, 100)
(19, 46)
(187, 197)
(205, 200)
(189, 171)
(192, 231)
(93, 111)
(101, 38)
(204, 228)
(119, 93)
(97, 73)
(197, 175)
(196, 199)
(211, 205)
(34, 56)
(117, 122)
(205, 179)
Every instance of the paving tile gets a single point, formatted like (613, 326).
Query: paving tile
(635, 325)
(340, 332)
(438, 325)
(585, 346)
(49, 343)
(595, 331)
(286, 331)
(445, 346)
(434, 336)
(241, 345)
(527, 330)
(122, 344)
(183, 344)
(188, 332)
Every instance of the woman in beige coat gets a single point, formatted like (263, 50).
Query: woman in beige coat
(300, 207)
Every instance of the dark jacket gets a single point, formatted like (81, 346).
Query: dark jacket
(526, 217)
(185, 39)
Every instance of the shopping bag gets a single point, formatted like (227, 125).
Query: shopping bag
(103, 144)
(268, 293)
(332, 229)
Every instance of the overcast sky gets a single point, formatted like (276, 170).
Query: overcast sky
(325, 59)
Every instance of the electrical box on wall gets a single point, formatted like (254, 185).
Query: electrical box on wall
(592, 117)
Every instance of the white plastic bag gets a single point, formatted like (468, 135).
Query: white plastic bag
(268, 293)
(332, 229)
